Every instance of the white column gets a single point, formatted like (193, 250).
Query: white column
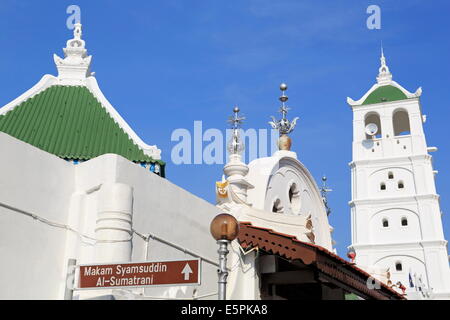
(114, 223)
(388, 133)
(236, 170)
(243, 279)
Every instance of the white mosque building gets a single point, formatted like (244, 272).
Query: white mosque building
(395, 213)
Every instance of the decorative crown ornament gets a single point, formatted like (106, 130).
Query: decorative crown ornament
(323, 191)
(75, 66)
(284, 126)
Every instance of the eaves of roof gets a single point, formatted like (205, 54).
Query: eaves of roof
(68, 121)
(288, 247)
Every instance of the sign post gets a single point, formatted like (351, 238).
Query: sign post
(139, 274)
(71, 266)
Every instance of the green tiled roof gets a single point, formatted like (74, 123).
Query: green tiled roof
(385, 94)
(71, 123)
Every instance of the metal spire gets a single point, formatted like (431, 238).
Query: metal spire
(235, 145)
(323, 191)
(384, 75)
(284, 126)
(235, 120)
(77, 31)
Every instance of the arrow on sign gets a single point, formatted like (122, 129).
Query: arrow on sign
(187, 271)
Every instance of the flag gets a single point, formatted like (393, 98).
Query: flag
(411, 283)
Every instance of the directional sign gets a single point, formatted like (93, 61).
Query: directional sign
(140, 274)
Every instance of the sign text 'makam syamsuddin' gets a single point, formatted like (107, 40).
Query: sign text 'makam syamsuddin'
(139, 274)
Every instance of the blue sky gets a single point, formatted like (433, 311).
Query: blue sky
(165, 64)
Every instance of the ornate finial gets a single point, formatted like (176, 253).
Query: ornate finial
(384, 75)
(235, 145)
(235, 120)
(75, 66)
(236, 185)
(76, 45)
(284, 126)
(77, 31)
(351, 254)
(323, 191)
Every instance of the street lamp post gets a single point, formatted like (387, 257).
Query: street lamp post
(222, 272)
(224, 228)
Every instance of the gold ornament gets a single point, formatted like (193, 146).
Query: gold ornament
(284, 143)
(222, 189)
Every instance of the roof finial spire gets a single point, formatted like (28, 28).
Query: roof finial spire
(384, 75)
(235, 170)
(323, 191)
(284, 126)
(75, 66)
(77, 31)
(235, 145)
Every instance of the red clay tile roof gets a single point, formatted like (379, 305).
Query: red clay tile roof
(288, 247)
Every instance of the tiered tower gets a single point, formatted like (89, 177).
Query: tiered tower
(395, 212)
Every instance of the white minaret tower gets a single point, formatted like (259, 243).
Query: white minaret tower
(395, 213)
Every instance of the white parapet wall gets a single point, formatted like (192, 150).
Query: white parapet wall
(31, 250)
(107, 209)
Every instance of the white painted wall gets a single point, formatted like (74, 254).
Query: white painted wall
(32, 251)
(36, 253)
